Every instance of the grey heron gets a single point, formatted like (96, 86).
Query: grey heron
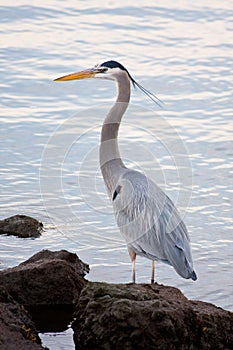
(146, 216)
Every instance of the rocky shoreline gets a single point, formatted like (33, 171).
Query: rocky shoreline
(49, 291)
(106, 316)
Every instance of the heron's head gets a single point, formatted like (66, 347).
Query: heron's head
(110, 70)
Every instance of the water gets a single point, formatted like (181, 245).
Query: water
(50, 131)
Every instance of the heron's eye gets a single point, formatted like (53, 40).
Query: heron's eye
(103, 70)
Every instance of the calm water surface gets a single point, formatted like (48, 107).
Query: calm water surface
(50, 131)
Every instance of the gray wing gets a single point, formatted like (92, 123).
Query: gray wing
(150, 222)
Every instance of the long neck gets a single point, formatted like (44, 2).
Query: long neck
(111, 163)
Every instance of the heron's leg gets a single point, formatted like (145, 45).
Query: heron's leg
(132, 255)
(153, 272)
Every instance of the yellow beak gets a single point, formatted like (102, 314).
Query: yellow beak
(84, 74)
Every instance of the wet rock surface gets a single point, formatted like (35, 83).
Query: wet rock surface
(139, 316)
(17, 331)
(21, 226)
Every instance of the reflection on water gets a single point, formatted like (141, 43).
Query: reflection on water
(178, 51)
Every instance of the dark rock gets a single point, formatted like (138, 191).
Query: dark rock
(17, 329)
(47, 285)
(21, 226)
(136, 316)
(47, 278)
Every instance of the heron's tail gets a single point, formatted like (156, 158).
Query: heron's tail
(179, 256)
(193, 276)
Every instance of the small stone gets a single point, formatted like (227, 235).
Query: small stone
(21, 226)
